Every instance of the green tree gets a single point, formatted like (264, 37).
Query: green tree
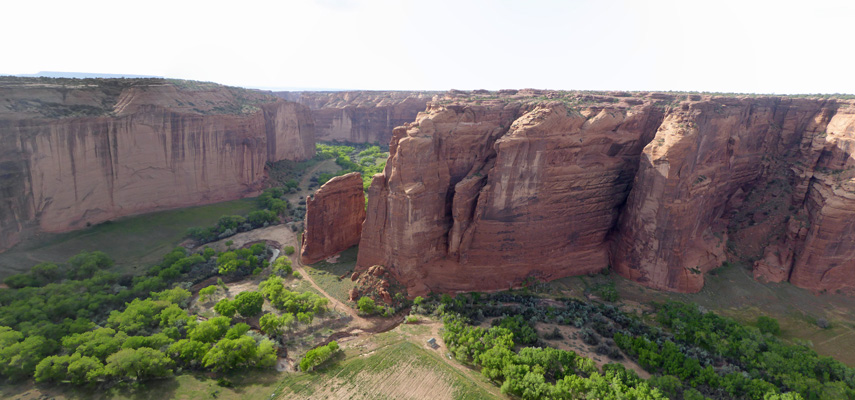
(139, 364)
(226, 308)
(270, 324)
(318, 355)
(189, 351)
(211, 330)
(82, 370)
(366, 305)
(768, 325)
(229, 354)
(52, 369)
(237, 330)
(19, 360)
(206, 292)
(175, 296)
(138, 316)
(249, 304)
(85, 264)
(99, 343)
(228, 263)
(174, 316)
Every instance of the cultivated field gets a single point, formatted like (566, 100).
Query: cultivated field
(392, 365)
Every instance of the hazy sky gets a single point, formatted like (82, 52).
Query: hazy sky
(732, 46)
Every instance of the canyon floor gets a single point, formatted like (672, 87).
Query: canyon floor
(731, 291)
(384, 358)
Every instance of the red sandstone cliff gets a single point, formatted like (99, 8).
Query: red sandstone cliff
(360, 116)
(479, 194)
(334, 217)
(79, 152)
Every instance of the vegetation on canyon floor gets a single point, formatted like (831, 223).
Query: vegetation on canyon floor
(690, 353)
(79, 324)
(89, 329)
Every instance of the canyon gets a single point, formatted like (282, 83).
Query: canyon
(490, 191)
(482, 190)
(79, 152)
(360, 116)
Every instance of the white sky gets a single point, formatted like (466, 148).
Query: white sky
(729, 46)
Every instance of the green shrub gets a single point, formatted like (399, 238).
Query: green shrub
(768, 325)
(317, 356)
(206, 292)
(366, 305)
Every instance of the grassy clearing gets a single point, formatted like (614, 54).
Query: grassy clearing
(191, 386)
(327, 275)
(134, 242)
(398, 369)
(733, 292)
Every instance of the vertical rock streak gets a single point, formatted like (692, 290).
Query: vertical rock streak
(482, 197)
(60, 174)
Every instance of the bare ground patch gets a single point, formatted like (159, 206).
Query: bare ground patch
(403, 381)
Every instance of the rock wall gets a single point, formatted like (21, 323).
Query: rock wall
(361, 116)
(334, 217)
(484, 194)
(80, 152)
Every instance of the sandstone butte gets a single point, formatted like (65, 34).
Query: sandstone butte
(334, 217)
(360, 116)
(483, 191)
(79, 152)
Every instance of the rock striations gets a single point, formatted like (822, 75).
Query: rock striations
(80, 152)
(334, 217)
(360, 116)
(482, 192)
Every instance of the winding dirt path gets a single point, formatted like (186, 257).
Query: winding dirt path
(281, 236)
(360, 324)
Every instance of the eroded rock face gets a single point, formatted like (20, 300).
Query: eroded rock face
(334, 217)
(481, 195)
(514, 190)
(362, 116)
(80, 152)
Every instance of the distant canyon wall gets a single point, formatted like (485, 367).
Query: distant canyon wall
(360, 116)
(80, 152)
(483, 193)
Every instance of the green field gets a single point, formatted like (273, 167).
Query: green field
(133, 242)
(397, 369)
(327, 275)
(250, 385)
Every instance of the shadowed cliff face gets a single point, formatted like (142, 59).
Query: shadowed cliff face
(79, 155)
(334, 217)
(360, 116)
(484, 196)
